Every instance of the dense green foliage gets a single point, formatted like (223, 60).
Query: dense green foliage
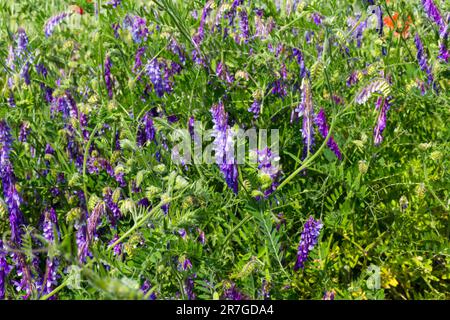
(383, 207)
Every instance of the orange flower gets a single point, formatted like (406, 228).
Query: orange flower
(399, 26)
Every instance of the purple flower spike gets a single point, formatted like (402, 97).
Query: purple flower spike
(189, 288)
(224, 147)
(146, 132)
(117, 250)
(94, 220)
(10, 193)
(422, 59)
(116, 27)
(198, 38)
(300, 61)
(317, 18)
(255, 108)
(444, 52)
(114, 3)
(321, 122)
(4, 270)
(308, 240)
(328, 295)
(24, 131)
(159, 76)
(113, 208)
(379, 14)
(50, 229)
(268, 167)
(243, 24)
(53, 22)
(306, 110)
(146, 287)
(138, 59)
(137, 26)
(233, 293)
(22, 42)
(108, 77)
(11, 100)
(433, 13)
(383, 107)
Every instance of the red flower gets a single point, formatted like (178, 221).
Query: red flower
(76, 9)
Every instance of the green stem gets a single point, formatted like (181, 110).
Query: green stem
(142, 221)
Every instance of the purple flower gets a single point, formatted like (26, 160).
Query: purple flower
(328, 295)
(146, 287)
(41, 70)
(50, 229)
(11, 100)
(146, 131)
(317, 18)
(198, 37)
(268, 167)
(24, 131)
(379, 14)
(82, 245)
(177, 50)
(138, 59)
(300, 61)
(5, 268)
(433, 13)
(233, 293)
(165, 208)
(94, 220)
(113, 208)
(382, 106)
(422, 58)
(49, 150)
(25, 73)
(443, 49)
(189, 288)
(76, 154)
(262, 30)
(255, 108)
(96, 163)
(309, 238)
(108, 78)
(137, 26)
(223, 74)
(114, 3)
(279, 88)
(182, 233)
(309, 36)
(10, 193)
(224, 146)
(321, 122)
(22, 42)
(117, 250)
(116, 26)
(265, 289)
(191, 124)
(306, 110)
(201, 236)
(159, 76)
(358, 28)
(243, 25)
(53, 22)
